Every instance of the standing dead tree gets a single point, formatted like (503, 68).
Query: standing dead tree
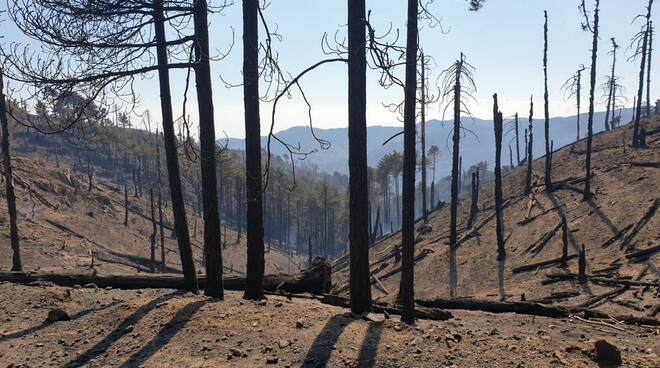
(474, 202)
(546, 126)
(640, 42)
(587, 25)
(497, 118)
(98, 50)
(457, 87)
(611, 86)
(572, 88)
(9, 181)
(529, 139)
(649, 54)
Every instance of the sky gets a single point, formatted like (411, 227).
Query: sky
(503, 41)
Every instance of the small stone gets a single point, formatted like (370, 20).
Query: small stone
(278, 304)
(300, 324)
(56, 315)
(397, 327)
(283, 343)
(607, 353)
(261, 302)
(272, 360)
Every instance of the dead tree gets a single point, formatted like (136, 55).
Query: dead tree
(212, 246)
(457, 86)
(406, 291)
(649, 54)
(530, 140)
(582, 266)
(592, 90)
(422, 125)
(517, 141)
(125, 205)
(564, 241)
(154, 232)
(497, 118)
(643, 38)
(611, 87)
(548, 163)
(474, 202)
(360, 285)
(573, 88)
(9, 181)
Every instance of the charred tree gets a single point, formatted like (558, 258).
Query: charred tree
(548, 163)
(592, 90)
(499, 216)
(406, 291)
(171, 156)
(611, 86)
(212, 246)
(642, 69)
(530, 142)
(649, 54)
(125, 205)
(255, 216)
(422, 125)
(154, 232)
(474, 203)
(360, 286)
(9, 182)
(517, 141)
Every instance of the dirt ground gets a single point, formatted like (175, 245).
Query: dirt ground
(166, 328)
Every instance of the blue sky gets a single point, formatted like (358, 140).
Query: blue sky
(503, 42)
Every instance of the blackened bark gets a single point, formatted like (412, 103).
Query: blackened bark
(642, 70)
(212, 246)
(360, 287)
(577, 96)
(530, 143)
(582, 265)
(547, 176)
(162, 233)
(453, 207)
(423, 139)
(564, 241)
(9, 182)
(517, 142)
(499, 216)
(407, 290)
(474, 204)
(125, 205)
(649, 53)
(254, 225)
(592, 91)
(154, 232)
(171, 157)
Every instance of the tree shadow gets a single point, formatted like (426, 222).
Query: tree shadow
(369, 348)
(571, 238)
(19, 334)
(602, 216)
(119, 331)
(319, 353)
(165, 335)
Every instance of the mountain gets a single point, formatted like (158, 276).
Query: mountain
(477, 140)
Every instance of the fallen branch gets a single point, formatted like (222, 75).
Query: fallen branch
(534, 266)
(601, 280)
(538, 246)
(625, 243)
(643, 253)
(421, 313)
(616, 236)
(602, 297)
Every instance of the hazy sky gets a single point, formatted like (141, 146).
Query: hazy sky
(503, 41)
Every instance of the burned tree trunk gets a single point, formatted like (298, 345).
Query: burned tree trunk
(212, 247)
(548, 164)
(154, 232)
(499, 216)
(162, 233)
(564, 241)
(125, 205)
(453, 207)
(577, 96)
(474, 204)
(422, 125)
(612, 87)
(517, 141)
(9, 182)
(406, 291)
(530, 135)
(360, 287)
(642, 70)
(649, 53)
(171, 157)
(590, 122)
(255, 217)
(582, 265)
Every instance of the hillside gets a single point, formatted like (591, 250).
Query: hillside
(63, 227)
(626, 192)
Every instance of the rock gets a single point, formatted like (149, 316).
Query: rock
(261, 302)
(272, 360)
(283, 343)
(300, 324)
(56, 315)
(607, 353)
(278, 304)
(397, 327)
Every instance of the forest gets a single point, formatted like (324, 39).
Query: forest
(275, 259)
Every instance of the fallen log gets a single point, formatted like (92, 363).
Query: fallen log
(604, 297)
(434, 314)
(617, 236)
(539, 244)
(534, 266)
(535, 309)
(314, 280)
(600, 280)
(655, 165)
(643, 253)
